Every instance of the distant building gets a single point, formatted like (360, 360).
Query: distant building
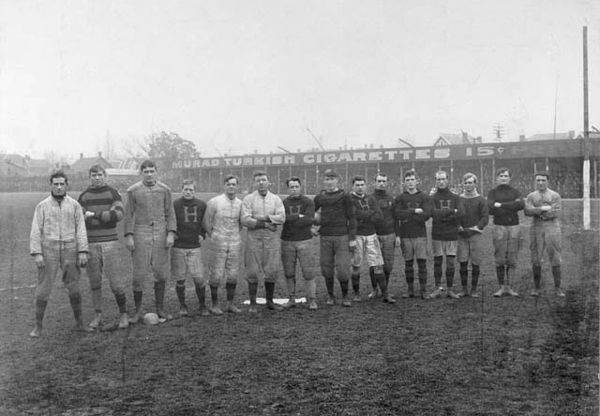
(38, 167)
(451, 139)
(12, 165)
(83, 164)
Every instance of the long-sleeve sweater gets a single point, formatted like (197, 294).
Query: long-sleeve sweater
(298, 228)
(58, 222)
(536, 199)
(189, 214)
(412, 225)
(107, 206)
(512, 203)
(257, 209)
(367, 213)
(337, 214)
(149, 206)
(476, 211)
(446, 211)
(387, 225)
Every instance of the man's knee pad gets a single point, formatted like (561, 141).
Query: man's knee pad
(464, 266)
(422, 263)
(438, 260)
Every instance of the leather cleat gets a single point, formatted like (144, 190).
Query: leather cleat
(215, 310)
(389, 299)
(511, 292)
(559, 293)
(437, 293)
(373, 294)
(96, 323)
(274, 306)
(123, 321)
(313, 305)
(346, 302)
(499, 293)
(330, 301)
(232, 309)
(453, 295)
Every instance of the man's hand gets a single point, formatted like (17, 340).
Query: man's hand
(545, 208)
(497, 204)
(352, 246)
(89, 214)
(418, 210)
(129, 242)
(39, 261)
(82, 259)
(270, 226)
(170, 239)
(200, 238)
(397, 242)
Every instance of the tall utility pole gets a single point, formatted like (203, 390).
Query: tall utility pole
(498, 131)
(586, 138)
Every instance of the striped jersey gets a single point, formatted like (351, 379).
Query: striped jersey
(107, 206)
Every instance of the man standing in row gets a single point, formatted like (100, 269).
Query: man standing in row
(470, 231)
(103, 209)
(387, 230)
(543, 205)
(186, 254)
(412, 210)
(150, 229)
(262, 212)
(338, 234)
(446, 212)
(58, 240)
(504, 203)
(296, 242)
(223, 224)
(367, 213)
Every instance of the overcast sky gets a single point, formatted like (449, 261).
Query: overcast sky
(235, 76)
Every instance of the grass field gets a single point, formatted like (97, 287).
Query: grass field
(485, 356)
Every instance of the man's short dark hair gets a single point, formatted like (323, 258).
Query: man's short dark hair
(230, 177)
(147, 164)
(358, 178)
(258, 173)
(97, 169)
(293, 179)
(187, 182)
(502, 170)
(542, 173)
(59, 174)
(410, 172)
(381, 174)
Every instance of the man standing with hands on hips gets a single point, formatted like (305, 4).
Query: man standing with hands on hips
(150, 229)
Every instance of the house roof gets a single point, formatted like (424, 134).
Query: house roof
(83, 164)
(15, 160)
(447, 139)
